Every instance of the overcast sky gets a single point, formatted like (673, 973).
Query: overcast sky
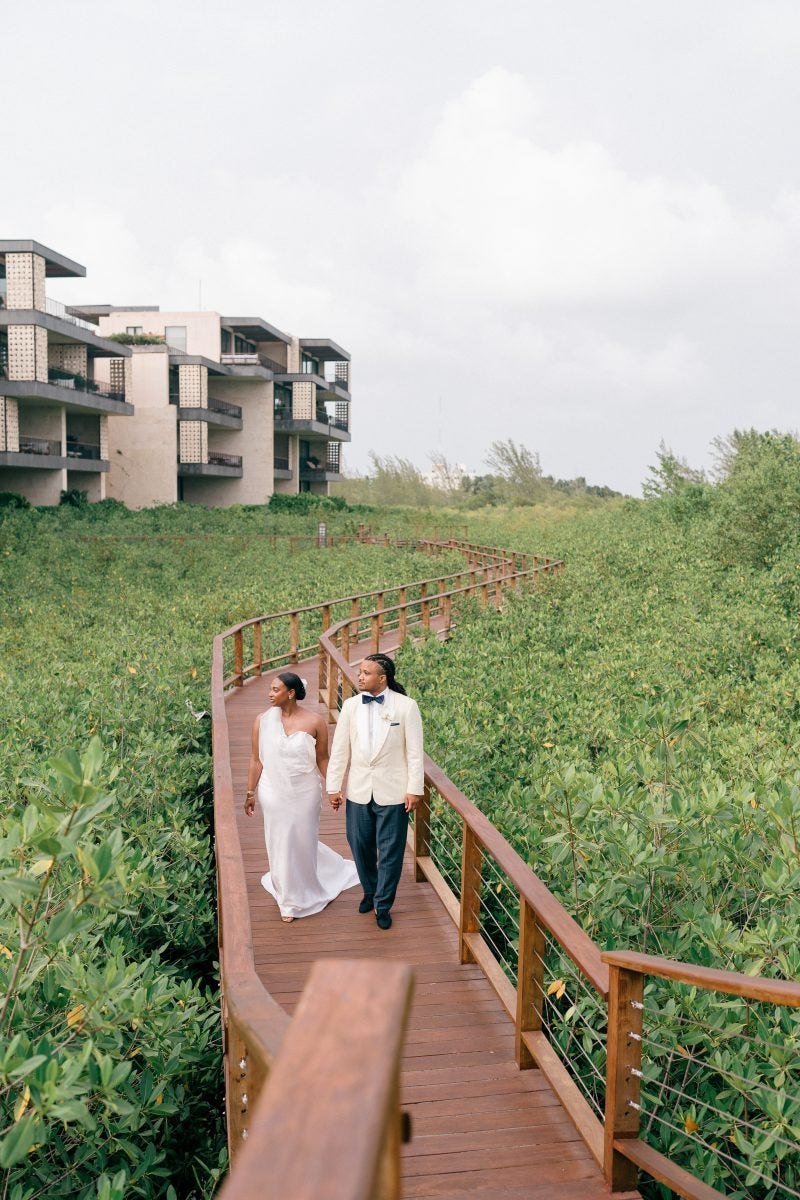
(572, 224)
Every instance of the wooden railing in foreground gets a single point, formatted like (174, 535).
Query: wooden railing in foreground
(329, 1125)
(582, 1029)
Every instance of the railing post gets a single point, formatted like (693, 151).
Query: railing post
(536, 570)
(425, 606)
(448, 614)
(530, 980)
(323, 662)
(470, 909)
(623, 1066)
(258, 656)
(439, 601)
(380, 606)
(498, 594)
(294, 636)
(238, 659)
(332, 687)
(422, 833)
(376, 633)
(403, 617)
(347, 687)
(485, 588)
(354, 612)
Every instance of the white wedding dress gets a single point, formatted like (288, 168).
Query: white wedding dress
(304, 875)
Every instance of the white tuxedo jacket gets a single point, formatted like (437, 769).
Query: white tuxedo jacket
(395, 765)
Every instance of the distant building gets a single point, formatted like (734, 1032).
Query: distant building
(209, 409)
(57, 392)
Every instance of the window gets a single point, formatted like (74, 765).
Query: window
(242, 346)
(226, 341)
(175, 336)
(309, 366)
(134, 329)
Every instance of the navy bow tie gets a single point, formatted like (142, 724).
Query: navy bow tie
(367, 699)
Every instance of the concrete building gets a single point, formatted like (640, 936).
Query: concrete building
(61, 382)
(228, 410)
(209, 409)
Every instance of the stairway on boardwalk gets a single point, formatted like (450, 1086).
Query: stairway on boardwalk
(480, 1127)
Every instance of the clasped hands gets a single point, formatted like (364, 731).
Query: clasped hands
(335, 800)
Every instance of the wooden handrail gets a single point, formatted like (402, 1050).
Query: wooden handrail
(731, 983)
(328, 1126)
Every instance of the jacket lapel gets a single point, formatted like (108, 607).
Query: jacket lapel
(384, 716)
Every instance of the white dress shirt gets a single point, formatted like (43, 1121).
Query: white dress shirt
(373, 712)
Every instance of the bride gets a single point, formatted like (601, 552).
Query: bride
(288, 761)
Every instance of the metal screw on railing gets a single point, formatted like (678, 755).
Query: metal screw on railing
(244, 1135)
(244, 1101)
(243, 1067)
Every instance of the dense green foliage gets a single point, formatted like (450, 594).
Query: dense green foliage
(634, 730)
(109, 1031)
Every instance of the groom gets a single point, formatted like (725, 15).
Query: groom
(379, 737)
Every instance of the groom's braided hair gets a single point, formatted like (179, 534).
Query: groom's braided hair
(387, 666)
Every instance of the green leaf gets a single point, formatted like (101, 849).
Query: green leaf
(17, 1143)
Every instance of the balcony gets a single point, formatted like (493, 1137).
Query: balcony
(225, 408)
(216, 465)
(217, 412)
(36, 445)
(34, 453)
(281, 468)
(252, 360)
(80, 383)
(326, 471)
(56, 309)
(323, 424)
(82, 450)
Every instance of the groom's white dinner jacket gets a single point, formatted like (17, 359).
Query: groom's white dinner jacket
(392, 766)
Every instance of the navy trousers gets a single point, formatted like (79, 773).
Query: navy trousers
(376, 834)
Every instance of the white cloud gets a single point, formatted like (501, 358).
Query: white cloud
(503, 218)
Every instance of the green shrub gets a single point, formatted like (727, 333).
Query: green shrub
(307, 502)
(74, 497)
(13, 500)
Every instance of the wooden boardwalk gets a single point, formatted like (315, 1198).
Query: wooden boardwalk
(480, 1127)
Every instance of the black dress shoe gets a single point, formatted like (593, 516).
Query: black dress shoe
(384, 921)
(367, 904)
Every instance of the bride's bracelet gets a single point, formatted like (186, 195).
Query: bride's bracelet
(247, 795)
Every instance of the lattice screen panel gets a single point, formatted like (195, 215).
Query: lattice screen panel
(117, 374)
(68, 356)
(193, 386)
(303, 401)
(27, 353)
(193, 441)
(103, 436)
(9, 424)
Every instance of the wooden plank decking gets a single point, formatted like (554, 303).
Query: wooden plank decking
(480, 1127)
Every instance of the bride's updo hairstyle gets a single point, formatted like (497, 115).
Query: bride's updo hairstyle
(386, 664)
(294, 683)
